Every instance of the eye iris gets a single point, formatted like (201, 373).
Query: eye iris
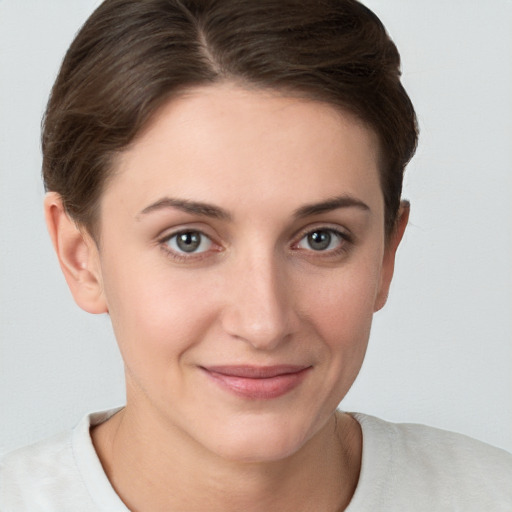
(319, 240)
(188, 242)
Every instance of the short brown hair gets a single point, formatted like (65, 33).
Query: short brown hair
(131, 56)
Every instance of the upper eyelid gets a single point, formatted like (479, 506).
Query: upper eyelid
(168, 233)
(184, 257)
(181, 232)
(345, 241)
(165, 241)
(343, 232)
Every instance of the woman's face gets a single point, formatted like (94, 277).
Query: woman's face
(242, 256)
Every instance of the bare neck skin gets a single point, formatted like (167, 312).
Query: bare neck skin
(172, 472)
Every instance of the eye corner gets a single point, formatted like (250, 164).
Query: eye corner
(323, 241)
(188, 245)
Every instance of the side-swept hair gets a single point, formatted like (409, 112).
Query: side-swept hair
(131, 56)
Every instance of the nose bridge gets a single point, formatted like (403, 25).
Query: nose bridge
(259, 310)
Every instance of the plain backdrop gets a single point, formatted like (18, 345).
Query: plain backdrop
(440, 352)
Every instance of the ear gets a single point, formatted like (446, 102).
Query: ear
(388, 262)
(78, 256)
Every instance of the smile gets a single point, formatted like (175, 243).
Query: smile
(256, 382)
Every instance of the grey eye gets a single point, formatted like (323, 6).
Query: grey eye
(189, 242)
(321, 240)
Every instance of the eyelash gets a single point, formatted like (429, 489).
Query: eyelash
(184, 256)
(345, 240)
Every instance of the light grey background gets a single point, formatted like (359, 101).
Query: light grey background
(440, 352)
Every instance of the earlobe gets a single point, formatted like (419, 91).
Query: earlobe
(388, 264)
(78, 256)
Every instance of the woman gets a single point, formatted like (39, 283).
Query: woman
(224, 181)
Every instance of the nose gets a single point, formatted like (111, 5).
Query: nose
(258, 309)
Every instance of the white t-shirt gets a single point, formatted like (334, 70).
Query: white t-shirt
(405, 467)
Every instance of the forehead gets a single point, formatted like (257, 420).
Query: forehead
(232, 143)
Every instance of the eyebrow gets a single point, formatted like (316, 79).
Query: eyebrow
(194, 207)
(209, 210)
(345, 201)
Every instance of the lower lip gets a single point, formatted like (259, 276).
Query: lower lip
(258, 388)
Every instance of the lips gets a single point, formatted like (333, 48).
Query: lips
(257, 382)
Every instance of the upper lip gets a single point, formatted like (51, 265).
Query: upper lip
(255, 372)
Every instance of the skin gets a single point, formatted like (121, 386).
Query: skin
(256, 292)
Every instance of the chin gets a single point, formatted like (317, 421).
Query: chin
(258, 440)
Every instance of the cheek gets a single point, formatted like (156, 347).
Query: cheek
(345, 297)
(156, 315)
(341, 310)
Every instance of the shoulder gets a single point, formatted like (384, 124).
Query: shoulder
(53, 474)
(435, 444)
(450, 470)
(33, 460)
(30, 475)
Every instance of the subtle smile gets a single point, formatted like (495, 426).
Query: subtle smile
(256, 382)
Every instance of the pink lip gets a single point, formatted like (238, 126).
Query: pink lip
(258, 382)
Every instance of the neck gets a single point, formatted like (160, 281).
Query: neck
(155, 468)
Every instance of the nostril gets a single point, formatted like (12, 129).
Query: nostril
(264, 325)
